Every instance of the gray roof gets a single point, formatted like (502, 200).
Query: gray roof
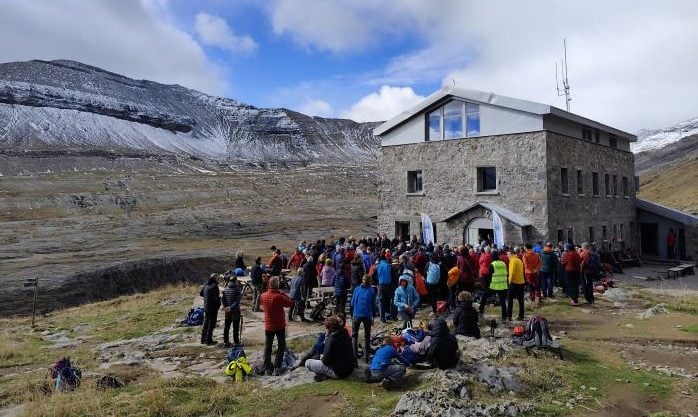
(667, 212)
(494, 100)
(509, 215)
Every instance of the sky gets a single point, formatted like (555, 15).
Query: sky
(631, 63)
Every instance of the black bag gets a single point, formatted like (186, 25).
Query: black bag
(318, 311)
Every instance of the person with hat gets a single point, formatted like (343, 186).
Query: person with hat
(406, 299)
(231, 306)
(273, 302)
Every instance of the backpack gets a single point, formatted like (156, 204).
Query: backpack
(537, 333)
(433, 273)
(289, 359)
(318, 311)
(453, 275)
(67, 377)
(195, 317)
(58, 366)
(235, 353)
(419, 284)
(594, 264)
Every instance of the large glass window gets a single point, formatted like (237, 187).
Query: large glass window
(453, 120)
(472, 119)
(447, 122)
(434, 120)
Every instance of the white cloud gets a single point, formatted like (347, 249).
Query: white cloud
(632, 63)
(383, 105)
(131, 37)
(316, 107)
(214, 31)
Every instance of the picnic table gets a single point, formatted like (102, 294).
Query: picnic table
(323, 293)
(683, 269)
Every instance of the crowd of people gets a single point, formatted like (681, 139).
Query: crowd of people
(390, 279)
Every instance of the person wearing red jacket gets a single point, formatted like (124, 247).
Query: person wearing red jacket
(484, 263)
(572, 264)
(466, 279)
(273, 301)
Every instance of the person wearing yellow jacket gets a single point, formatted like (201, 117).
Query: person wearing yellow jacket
(516, 283)
(498, 284)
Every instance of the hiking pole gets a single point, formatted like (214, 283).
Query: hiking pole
(242, 321)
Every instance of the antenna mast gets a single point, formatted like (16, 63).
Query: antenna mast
(565, 90)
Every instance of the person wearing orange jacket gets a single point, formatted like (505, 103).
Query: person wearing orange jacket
(572, 263)
(531, 262)
(516, 284)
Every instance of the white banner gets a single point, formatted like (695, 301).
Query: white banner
(498, 230)
(427, 230)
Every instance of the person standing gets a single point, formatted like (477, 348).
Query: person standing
(232, 295)
(340, 291)
(484, 262)
(548, 268)
(498, 285)
(589, 266)
(257, 283)
(671, 244)
(296, 294)
(212, 303)
(309, 277)
(516, 284)
(385, 287)
(273, 302)
(362, 301)
(433, 277)
(572, 264)
(531, 262)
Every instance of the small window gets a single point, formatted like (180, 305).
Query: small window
(591, 234)
(637, 183)
(615, 186)
(560, 235)
(472, 119)
(615, 232)
(595, 183)
(453, 120)
(570, 235)
(597, 136)
(563, 181)
(607, 184)
(586, 133)
(486, 179)
(622, 231)
(625, 186)
(613, 141)
(580, 182)
(604, 232)
(434, 125)
(414, 181)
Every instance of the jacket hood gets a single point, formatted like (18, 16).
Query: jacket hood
(439, 328)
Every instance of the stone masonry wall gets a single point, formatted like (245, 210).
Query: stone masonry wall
(581, 211)
(449, 181)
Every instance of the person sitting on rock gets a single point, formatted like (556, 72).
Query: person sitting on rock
(443, 350)
(382, 367)
(406, 299)
(337, 360)
(296, 294)
(231, 305)
(465, 318)
(212, 303)
(274, 302)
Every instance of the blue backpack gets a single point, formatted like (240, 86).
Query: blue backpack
(195, 317)
(433, 273)
(235, 353)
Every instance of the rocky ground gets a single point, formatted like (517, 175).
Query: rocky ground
(634, 352)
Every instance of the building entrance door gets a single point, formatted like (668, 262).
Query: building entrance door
(649, 238)
(477, 230)
(402, 229)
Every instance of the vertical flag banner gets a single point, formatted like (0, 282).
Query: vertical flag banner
(498, 230)
(427, 230)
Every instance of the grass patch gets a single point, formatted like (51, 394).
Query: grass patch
(21, 388)
(680, 303)
(19, 349)
(690, 329)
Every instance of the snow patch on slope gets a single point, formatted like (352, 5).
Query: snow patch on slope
(656, 139)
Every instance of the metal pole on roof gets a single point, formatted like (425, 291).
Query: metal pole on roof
(565, 90)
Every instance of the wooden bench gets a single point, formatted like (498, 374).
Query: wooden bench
(683, 269)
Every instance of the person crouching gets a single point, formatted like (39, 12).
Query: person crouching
(382, 367)
(337, 360)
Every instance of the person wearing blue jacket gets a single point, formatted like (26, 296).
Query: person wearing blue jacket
(362, 301)
(382, 367)
(340, 291)
(406, 299)
(385, 287)
(296, 295)
(433, 277)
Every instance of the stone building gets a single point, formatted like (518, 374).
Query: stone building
(460, 155)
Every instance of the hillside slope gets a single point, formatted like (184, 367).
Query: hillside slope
(68, 106)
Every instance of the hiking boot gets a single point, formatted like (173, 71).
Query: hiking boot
(276, 372)
(520, 318)
(319, 377)
(267, 372)
(368, 377)
(574, 303)
(387, 384)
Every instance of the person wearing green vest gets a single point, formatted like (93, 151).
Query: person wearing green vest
(498, 285)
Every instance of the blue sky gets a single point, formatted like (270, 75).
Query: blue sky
(631, 62)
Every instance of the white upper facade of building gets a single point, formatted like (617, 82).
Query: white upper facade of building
(458, 113)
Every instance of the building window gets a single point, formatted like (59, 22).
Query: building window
(615, 186)
(604, 232)
(486, 179)
(563, 181)
(622, 231)
(560, 236)
(625, 186)
(570, 235)
(597, 136)
(434, 123)
(586, 133)
(612, 141)
(472, 119)
(414, 181)
(453, 120)
(607, 184)
(615, 232)
(637, 183)
(595, 183)
(591, 234)
(447, 122)
(580, 182)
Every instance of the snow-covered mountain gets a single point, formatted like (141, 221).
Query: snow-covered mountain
(68, 106)
(659, 138)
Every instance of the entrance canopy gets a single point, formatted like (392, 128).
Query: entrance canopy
(504, 213)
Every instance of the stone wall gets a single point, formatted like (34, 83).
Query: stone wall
(449, 181)
(691, 233)
(580, 212)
